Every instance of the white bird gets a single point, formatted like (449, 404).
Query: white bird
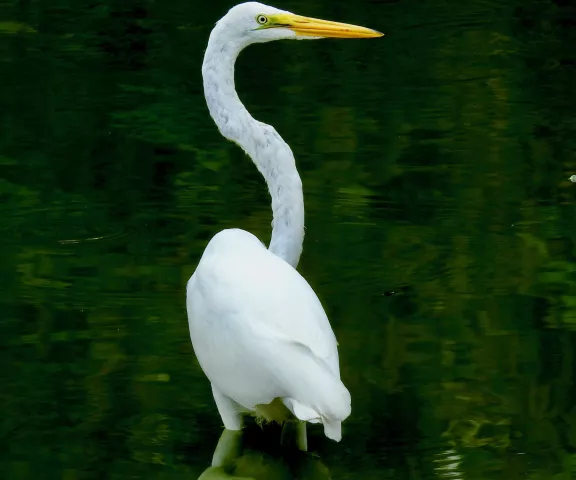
(258, 329)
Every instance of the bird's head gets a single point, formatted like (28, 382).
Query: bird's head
(254, 22)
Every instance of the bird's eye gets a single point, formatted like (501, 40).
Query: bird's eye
(262, 19)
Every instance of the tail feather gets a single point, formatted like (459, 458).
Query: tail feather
(333, 429)
(302, 412)
(312, 392)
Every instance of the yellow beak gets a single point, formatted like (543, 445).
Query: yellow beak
(313, 27)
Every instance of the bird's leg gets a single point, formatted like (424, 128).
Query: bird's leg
(229, 448)
(295, 432)
(228, 410)
(301, 438)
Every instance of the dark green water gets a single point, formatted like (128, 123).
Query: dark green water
(441, 233)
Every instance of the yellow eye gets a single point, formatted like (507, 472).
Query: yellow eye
(262, 19)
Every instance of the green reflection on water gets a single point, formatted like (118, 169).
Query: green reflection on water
(440, 233)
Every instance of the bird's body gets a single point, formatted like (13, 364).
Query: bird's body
(258, 329)
(255, 342)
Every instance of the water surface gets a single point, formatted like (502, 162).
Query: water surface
(440, 236)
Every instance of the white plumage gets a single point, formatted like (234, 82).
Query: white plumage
(260, 333)
(258, 329)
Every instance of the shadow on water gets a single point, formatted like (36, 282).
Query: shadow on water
(240, 456)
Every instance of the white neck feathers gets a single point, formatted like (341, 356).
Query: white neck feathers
(271, 155)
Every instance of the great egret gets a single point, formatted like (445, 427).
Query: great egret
(258, 329)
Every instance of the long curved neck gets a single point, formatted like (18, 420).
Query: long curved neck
(271, 155)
